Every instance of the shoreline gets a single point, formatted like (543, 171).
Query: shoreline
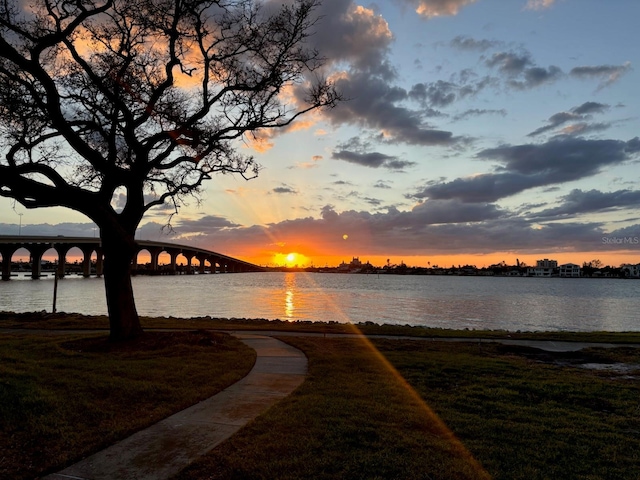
(74, 321)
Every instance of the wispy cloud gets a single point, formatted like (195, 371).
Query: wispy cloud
(607, 74)
(576, 114)
(538, 4)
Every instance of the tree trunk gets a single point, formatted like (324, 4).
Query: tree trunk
(124, 322)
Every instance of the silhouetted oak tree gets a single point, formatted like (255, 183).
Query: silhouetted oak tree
(147, 97)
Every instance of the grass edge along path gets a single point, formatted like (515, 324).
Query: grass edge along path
(64, 397)
(355, 417)
(71, 321)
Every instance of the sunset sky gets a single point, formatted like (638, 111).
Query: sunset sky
(474, 131)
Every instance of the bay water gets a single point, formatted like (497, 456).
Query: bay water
(504, 303)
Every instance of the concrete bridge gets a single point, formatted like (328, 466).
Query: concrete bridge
(38, 246)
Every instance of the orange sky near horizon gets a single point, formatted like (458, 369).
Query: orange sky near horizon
(294, 258)
(510, 258)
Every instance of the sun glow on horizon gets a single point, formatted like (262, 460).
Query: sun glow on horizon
(291, 259)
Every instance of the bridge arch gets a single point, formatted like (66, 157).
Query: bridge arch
(93, 257)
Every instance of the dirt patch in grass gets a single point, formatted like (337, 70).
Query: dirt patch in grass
(621, 360)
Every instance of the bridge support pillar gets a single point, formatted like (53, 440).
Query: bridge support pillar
(174, 252)
(155, 253)
(202, 258)
(7, 252)
(87, 250)
(62, 258)
(99, 262)
(36, 252)
(215, 261)
(189, 257)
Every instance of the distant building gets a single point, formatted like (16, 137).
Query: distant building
(569, 270)
(631, 271)
(355, 266)
(543, 268)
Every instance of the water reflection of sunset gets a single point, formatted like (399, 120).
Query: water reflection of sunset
(290, 295)
(289, 307)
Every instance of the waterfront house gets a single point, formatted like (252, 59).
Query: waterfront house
(570, 270)
(543, 268)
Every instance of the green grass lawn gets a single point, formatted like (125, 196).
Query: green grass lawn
(524, 416)
(404, 409)
(510, 417)
(62, 398)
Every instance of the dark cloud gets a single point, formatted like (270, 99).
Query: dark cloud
(463, 42)
(476, 112)
(355, 35)
(521, 70)
(284, 189)
(374, 104)
(356, 151)
(579, 202)
(534, 165)
(633, 145)
(372, 159)
(555, 121)
(372, 201)
(442, 93)
(432, 212)
(510, 63)
(357, 40)
(425, 136)
(432, 227)
(607, 74)
(588, 108)
(480, 188)
(576, 114)
(536, 76)
(568, 159)
(438, 94)
(399, 165)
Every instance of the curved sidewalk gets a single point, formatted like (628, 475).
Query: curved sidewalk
(164, 449)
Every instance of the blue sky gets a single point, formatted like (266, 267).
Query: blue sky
(473, 132)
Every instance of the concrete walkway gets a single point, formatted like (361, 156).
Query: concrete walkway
(164, 449)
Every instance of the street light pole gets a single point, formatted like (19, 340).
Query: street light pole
(20, 227)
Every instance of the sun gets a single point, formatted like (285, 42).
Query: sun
(291, 259)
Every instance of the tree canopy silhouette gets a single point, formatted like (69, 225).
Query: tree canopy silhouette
(143, 97)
